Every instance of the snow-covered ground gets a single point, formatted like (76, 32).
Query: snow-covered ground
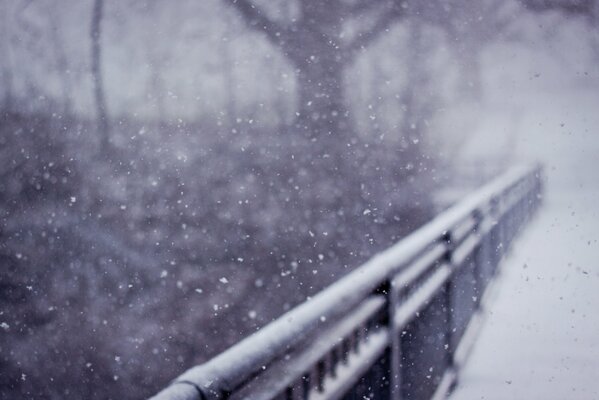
(541, 335)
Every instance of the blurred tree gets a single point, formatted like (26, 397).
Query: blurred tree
(60, 57)
(320, 39)
(414, 106)
(96, 70)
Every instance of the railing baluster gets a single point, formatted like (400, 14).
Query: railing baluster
(395, 347)
(448, 294)
(321, 370)
(306, 386)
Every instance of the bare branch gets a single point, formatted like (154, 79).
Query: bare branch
(256, 19)
(579, 7)
(386, 18)
(363, 6)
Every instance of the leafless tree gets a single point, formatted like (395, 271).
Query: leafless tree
(61, 58)
(320, 39)
(96, 70)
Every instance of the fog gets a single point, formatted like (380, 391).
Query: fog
(176, 175)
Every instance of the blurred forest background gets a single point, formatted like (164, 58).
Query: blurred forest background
(175, 175)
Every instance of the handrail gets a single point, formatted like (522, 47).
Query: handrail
(412, 276)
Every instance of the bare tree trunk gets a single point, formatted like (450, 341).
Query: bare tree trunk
(96, 58)
(282, 104)
(320, 64)
(7, 96)
(62, 62)
(7, 63)
(156, 86)
(321, 103)
(228, 71)
(410, 124)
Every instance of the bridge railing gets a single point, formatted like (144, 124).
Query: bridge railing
(397, 327)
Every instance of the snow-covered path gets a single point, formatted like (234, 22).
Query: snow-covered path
(541, 336)
(540, 339)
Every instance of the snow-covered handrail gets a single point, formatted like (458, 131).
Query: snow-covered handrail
(393, 326)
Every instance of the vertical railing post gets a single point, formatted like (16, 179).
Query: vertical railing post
(532, 197)
(501, 229)
(477, 257)
(448, 289)
(494, 239)
(395, 382)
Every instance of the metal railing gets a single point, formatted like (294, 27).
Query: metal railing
(398, 327)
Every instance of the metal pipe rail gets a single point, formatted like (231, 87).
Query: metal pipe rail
(392, 328)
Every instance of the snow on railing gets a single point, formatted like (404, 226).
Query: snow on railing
(397, 327)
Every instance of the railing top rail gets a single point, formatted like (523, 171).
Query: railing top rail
(228, 370)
